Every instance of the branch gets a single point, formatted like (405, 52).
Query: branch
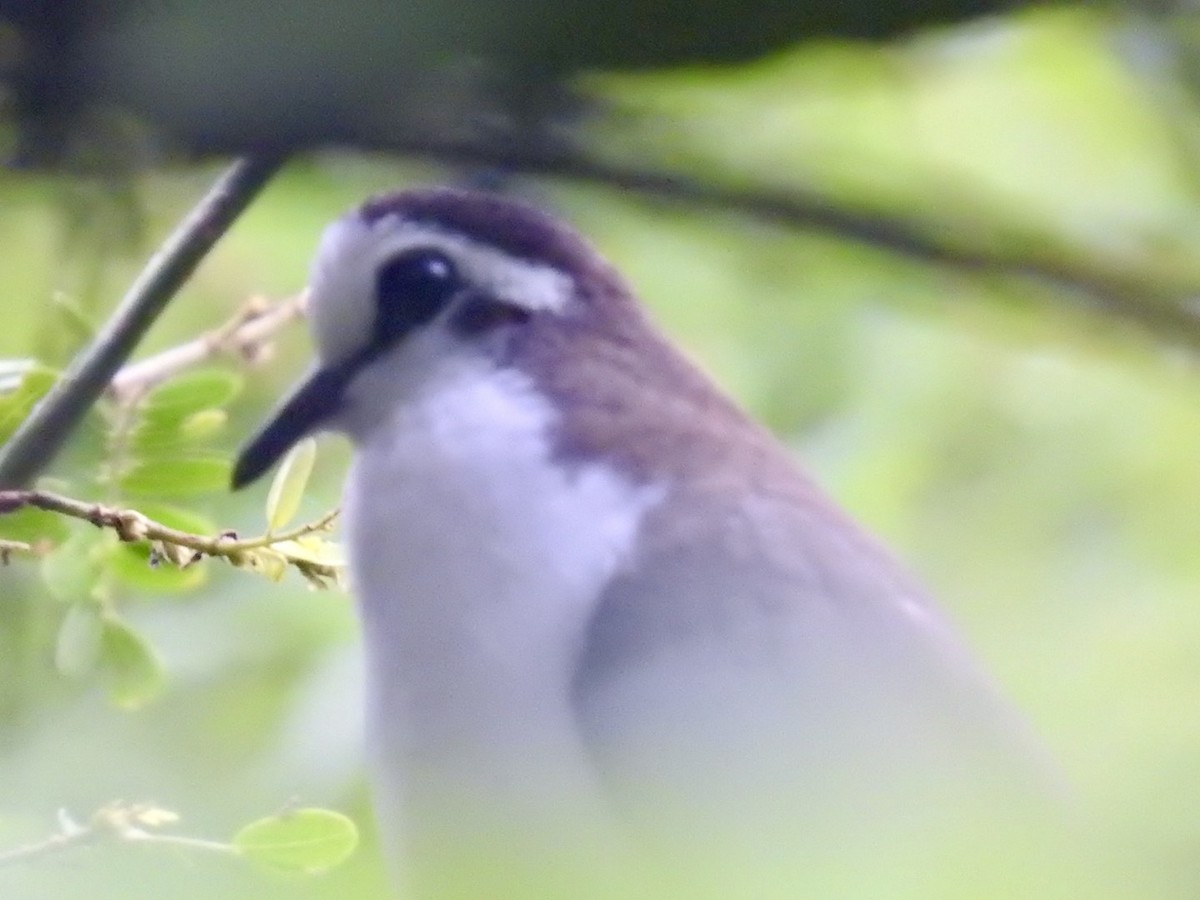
(305, 840)
(8, 548)
(1163, 313)
(118, 821)
(245, 335)
(184, 548)
(47, 428)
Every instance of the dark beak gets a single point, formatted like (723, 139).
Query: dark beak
(310, 405)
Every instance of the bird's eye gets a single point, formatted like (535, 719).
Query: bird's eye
(410, 290)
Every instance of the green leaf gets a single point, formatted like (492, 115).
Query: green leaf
(305, 840)
(77, 647)
(156, 436)
(149, 439)
(315, 549)
(15, 406)
(134, 567)
(203, 424)
(287, 488)
(271, 563)
(265, 561)
(69, 570)
(177, 477)
(34, 525)
(192, 391)
(133, 673)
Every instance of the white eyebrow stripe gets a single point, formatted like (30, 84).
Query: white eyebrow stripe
(533, 286)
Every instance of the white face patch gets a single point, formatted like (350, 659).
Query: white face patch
(342, 284)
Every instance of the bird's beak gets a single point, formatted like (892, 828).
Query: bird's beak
(307, 408)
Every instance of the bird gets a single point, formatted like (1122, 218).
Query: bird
(617, 642)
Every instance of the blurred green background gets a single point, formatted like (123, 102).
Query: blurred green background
(1035, 461)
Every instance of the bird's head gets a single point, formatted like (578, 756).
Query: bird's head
(416, 286)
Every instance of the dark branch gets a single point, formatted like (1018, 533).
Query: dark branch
(42, 434)
(1161, 312)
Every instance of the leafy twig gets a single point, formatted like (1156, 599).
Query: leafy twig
(244, 335)
(47, 428)
(184, 548)
(296, 840)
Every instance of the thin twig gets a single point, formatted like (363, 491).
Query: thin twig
(66, 839)
(244, 335)
(47, 428)
(180, 841)
(132, 526)
(8, 548)
(128, 823)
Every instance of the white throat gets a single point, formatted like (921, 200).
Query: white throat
(478, 562)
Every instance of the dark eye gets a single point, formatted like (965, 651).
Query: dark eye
(411, 289)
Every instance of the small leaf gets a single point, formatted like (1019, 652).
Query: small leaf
(150, 438)
(77, 647)
(305, 840)
(133, 673)
(69, 570)
(264, 561)
(192, 391)
(203, 424)
(314, 549)
(178, 477)
(272, 564)
(287, 488)
(131, 564)
(160, 436)
(34, 525)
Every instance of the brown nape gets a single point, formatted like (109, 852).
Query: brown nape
(628, 396)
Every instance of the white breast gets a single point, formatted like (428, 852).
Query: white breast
(477, 561)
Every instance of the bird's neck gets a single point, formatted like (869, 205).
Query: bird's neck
(478, 561)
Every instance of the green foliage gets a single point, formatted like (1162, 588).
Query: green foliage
(159, 449)
(189, 392)
(138, 568)
(163, 443)
(1033, 137)
(289, 484)
(15, 404)
(34, 526)
(80, 639)
(132, 672)
(303, 840)
(175, 477)
(69, 571)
